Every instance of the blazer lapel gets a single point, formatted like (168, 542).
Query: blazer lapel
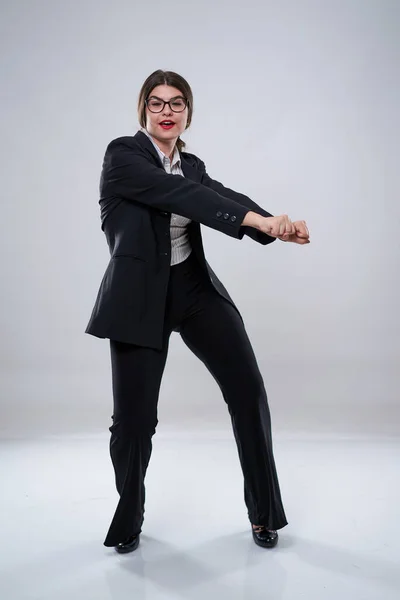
(188, 170)
(146, 143)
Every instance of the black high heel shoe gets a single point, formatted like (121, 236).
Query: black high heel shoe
(129, 545)
(267, 538)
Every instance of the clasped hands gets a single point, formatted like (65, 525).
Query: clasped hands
(284, 229)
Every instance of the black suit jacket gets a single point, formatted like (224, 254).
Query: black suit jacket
(137, 198)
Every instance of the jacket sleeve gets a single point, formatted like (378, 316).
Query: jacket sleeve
(129, 174)
(258, 236)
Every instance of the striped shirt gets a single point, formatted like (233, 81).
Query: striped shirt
(180, 244)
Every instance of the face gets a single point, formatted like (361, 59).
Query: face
(154, 121)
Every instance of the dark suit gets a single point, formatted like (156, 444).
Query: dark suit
(142, 300)
(137, 198)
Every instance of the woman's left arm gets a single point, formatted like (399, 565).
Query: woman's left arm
(215, 185)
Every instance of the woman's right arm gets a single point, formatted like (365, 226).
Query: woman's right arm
(129, 174)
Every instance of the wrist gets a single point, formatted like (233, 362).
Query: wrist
(253, 219)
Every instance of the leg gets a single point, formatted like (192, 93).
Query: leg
(136, 377)
(216, 335)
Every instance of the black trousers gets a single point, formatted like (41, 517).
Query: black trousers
(211, 327)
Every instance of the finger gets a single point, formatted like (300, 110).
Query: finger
(289, 227)
(269, 228)
(284, 226)
(299, 240)
(301, 229)
(273, 230)
(304, 227)
(302, 234)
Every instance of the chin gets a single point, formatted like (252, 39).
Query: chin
(167, 135)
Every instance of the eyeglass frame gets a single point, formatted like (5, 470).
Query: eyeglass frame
(167, 102)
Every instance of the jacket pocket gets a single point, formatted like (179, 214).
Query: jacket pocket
(134, 256)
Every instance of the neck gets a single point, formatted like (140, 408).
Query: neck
(166, 146)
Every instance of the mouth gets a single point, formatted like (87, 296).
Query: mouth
(167, 124)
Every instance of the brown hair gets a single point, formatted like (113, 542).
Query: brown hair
(160, 77)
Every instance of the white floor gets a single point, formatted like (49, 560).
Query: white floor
(341, 497)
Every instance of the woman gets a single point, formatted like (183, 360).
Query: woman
(153, 198)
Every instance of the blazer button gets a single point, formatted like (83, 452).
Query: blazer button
(233, 219)
(226, 216)
(219, 214)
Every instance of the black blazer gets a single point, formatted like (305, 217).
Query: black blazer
(137, 198)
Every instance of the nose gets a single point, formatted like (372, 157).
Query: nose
(167, 110)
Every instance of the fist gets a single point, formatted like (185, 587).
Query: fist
(301, 234)
(277, 226)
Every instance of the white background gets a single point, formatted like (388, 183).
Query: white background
(296, 105)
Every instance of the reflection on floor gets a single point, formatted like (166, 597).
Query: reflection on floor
(341, 497)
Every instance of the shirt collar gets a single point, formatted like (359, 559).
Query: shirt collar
(176, 159)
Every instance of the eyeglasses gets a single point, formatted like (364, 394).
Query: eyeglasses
(157, 105)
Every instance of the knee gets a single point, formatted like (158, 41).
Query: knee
(247, 397)
(246, 384)
(128, 426)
